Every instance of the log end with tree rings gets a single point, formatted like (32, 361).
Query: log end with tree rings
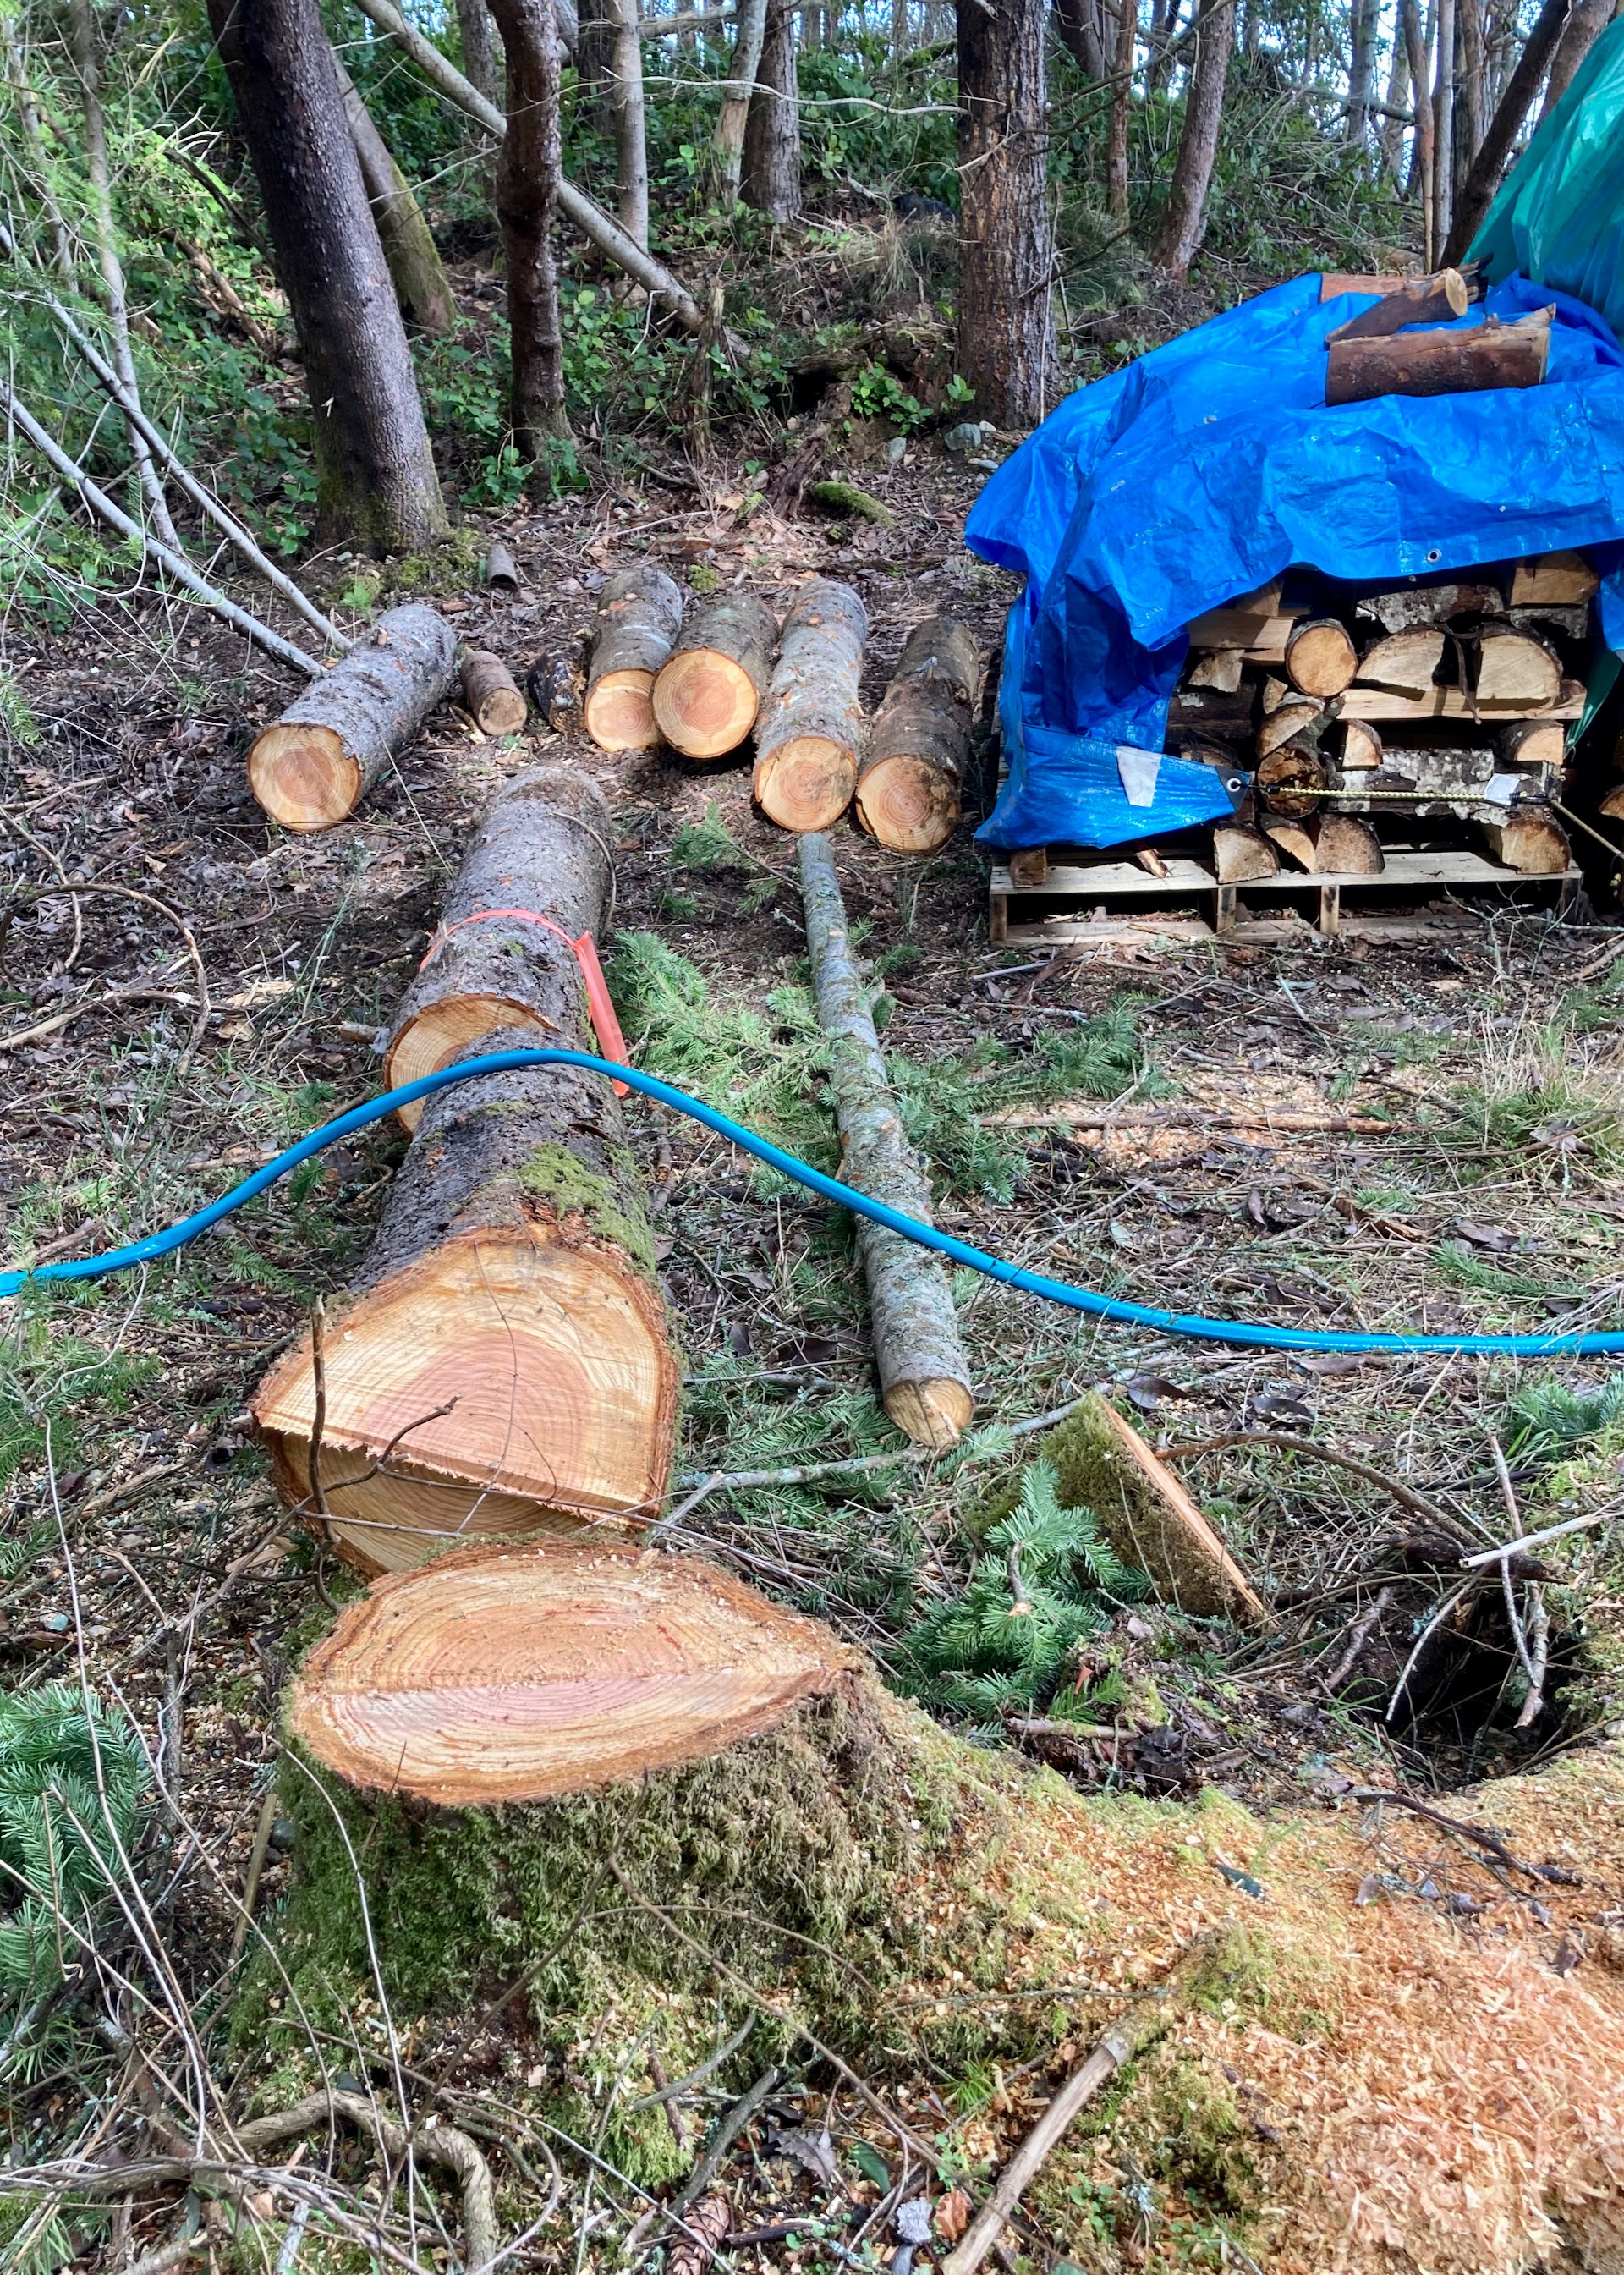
(523, 1672)
(1243, 856)
(709, 693)
(1291, 782)
(1320, 656)
(1362, 747)
(304, 777)
(1348, 847)
(1532, 842)
(442, 1030)
(639, 612)
(936, 1412)
(807, 782)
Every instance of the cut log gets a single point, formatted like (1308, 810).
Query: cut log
(1291, 782)
(1276, 691)
(501, 1363)
(1534, 743)
(1240, 625)
(493, 697)
(1204, 709)
(639, 611)
(1217, 668)
(1486, 355)
(1560, 579)
(811, 728)
(1446, 703)
(1532, 842)
(1515, 669)
(910, 785)
(1403, 663)
(541, 853)
(1335, 282)
(1293, 717)
(1416, 607)
(522, 1671)
(1296, 839)
(311, 769)
(557, 688)
(1348, 847)
(500, 571)
(1613, 805)
(1361, 746)
(924, 1375)
(1240, 856)
(1320, 656)
(1418, 301)
(711, 686)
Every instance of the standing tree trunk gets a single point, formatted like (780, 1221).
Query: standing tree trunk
(1124, 16)
(593, 58)
(527, 176)
(1365, 28)
(415, 268)
(1078, 23)
(1589, 21)
(1184, 222)
(377, 481)
(1468, 136)
(771, 181)
(631, 137)
(1005, 244)
(738, 90)
(1421, 168)
(1513, 107)
(1443, 121)
(1392, 136)
(474, 26)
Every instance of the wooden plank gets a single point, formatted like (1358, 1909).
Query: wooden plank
(1565, 578)
(1243, 628)
(1335, 282)
(1451, 703)
(1406, 868)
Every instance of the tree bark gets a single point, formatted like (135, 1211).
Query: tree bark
(1418, 301)
(1443, 120)
(409, 247)
(811, 728)
(1421, 164)
(1484, 177)
(1006, 244)
(312, 768)
(1584, 26)
(1079, 24)
(1364, 28)
(1468, 139)
(474, 26)
(1123, 16)
(738, 90)
(1184, 222)
(527, 176)
(771, 179)
(924, 1375)
(710, 689)
(911, 780)
(1392, 134)
(1439, 362)
(639, 612)
(631, 133)
(377, 481)
(594, 62)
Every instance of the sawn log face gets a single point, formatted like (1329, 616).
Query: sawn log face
(313, 767)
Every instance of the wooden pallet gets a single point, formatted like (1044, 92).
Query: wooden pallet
(1076, 897)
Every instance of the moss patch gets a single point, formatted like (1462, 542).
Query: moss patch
(556, 1175)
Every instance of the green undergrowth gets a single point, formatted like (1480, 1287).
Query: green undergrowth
(54, 1378)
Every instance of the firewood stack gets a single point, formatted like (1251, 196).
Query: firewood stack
(1355, 711)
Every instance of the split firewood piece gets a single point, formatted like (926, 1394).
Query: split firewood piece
(1348, 847)
(1613, 805)
(1218, 667)
(1446, 703)
(1276, 691)
(557, 688)
(1534, 743)
(1361, 746)
(536, 880)
(924, 1375)
(1297, 840)
(1320, 656)
(1416, 607)
(1250, 621)
(501, 1363)
(1532, 842)
(311, 769)
(1290, 718)
(1487, 355)
(524, 1670)
(1291, 782)
(1418, 301)
(1240, 856)
(711, 686)
(811, 728)
(912, 777)
(1516, 668)
(1403, 662)
(1553, 579)
(639, 613)
(493, 697)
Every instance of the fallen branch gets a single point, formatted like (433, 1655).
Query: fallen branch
(1538, 1539)
(1491, 1842)
(1405, 1495)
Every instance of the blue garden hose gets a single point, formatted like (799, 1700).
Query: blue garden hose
(959, 1251)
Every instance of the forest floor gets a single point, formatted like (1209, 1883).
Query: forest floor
(193, 989)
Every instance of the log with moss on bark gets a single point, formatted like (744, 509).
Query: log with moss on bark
(810, 729)
(910, 789)
(639, 612)
(311, 769)
(924, 1375)
(709, 690)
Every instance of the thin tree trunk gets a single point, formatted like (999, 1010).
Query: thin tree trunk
(738, 90)
(771, 180)
(86, 50)
(1184, 222)
(1468, 136)
(1421, 162)
(1584, 26)
(1082, 34)
(593, 61)
(1124, 23)
(1513, 107)
(1364, 28)
(1443, 121)
(28, 115)
(415, 267)
(630, 137)
(474, 26)
(1005, 244)
(377, 481)
(527, 176)
(1392, 137)
(1163, 14)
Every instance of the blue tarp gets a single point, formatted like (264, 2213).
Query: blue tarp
(1208, 467)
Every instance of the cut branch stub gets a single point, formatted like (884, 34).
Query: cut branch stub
(540, 853)
(518, 1673)
(501, 1365)
(312, 768)
(811, 728)
(710, 689)
(909, 792)
(639, 613)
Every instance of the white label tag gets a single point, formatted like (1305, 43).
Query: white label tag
(1499, 789)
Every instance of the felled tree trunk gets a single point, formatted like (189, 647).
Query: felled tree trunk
(910, 788)
(811, 728)
(473, 28)
(639, 611)
(924, 1374)
(377, 481)
(1005, 348)
(528, 178)
(500, 1363)
(314, 765)
(771, 179)
(710, 688)
(540, 860)
(409, 247)
(1488, 355)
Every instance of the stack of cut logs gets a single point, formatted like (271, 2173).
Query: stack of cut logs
(1353, 709)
